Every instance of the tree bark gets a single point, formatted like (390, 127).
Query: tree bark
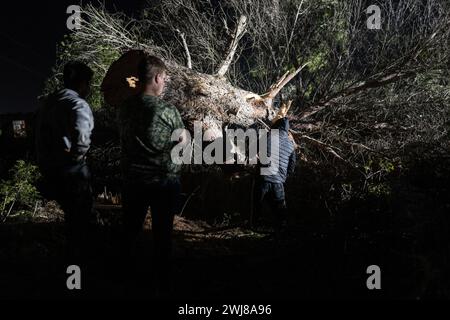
(199, 97)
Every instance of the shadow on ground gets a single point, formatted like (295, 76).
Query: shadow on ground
(214, 264)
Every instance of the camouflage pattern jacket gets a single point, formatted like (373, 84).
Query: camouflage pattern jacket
(146, 127)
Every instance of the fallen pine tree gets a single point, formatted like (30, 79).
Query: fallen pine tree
(231, 64)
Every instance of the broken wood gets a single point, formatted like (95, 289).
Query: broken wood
(240, 31)
(186, 49)
(199, 97)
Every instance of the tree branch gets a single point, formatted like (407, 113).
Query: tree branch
(392, 73)
(353, 89)
(292, 32)
(186, 49)
(240, 31)
(281, 83)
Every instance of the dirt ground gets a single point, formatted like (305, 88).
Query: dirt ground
(214, 262)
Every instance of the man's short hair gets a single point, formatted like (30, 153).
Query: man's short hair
(76, 73)
(149, 67)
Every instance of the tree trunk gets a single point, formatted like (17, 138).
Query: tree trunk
(199, 97)
(213, 100)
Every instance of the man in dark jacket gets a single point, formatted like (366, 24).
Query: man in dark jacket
(151, 179)
(63, 137)
(270, 186)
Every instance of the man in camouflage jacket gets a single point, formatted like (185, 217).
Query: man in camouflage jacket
(150, 176)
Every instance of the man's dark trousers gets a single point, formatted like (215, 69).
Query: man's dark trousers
(274, 195)
(70, 186)
(162, 197)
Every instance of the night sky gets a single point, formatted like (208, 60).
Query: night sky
(29, 32)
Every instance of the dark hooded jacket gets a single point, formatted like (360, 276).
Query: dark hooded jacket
(63, 130)
(284, 161)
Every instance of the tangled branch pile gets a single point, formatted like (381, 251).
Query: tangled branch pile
(358, 94)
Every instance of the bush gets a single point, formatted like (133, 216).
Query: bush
(19, 193)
